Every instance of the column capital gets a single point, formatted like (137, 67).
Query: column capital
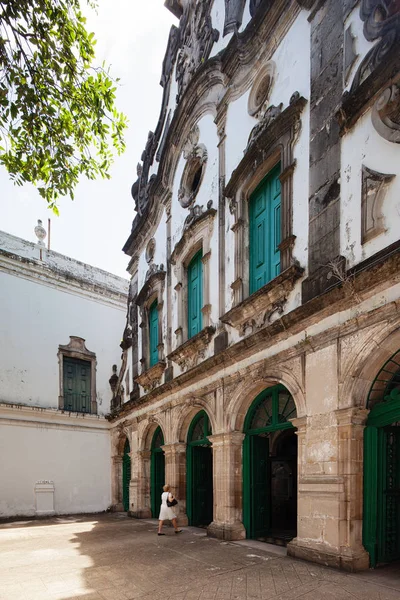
(300, 423)
(352, 416)
(231, 438)
(144, 454)
(174, 448)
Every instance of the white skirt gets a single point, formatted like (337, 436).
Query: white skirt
(166, 513)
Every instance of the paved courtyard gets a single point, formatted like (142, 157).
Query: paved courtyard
(112, 557)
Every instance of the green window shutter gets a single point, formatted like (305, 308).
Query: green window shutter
(195, 294)
(153, 333)
(77, 388)
(265, 231)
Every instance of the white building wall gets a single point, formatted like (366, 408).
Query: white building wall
(42, 304)
(364, 146)
(292, 74)
(76, 459)
(34, 320)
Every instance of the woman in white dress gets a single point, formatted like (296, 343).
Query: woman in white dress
(166, 512)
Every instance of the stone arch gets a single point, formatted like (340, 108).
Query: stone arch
(249, 389)
(187, 413)
(121, 433)
(368, 362)
(146, 434)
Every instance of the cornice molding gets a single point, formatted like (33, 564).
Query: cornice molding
(32, 416)
(42, 274)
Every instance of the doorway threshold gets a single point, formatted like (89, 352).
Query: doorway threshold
(256, 545)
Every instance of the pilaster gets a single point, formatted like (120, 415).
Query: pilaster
(330, 501)
(142, 506)
(116, 489)
(227, 482)
(175, 476)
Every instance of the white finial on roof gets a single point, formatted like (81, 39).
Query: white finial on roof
(40, 233)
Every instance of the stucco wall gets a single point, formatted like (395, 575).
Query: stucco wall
(76, 460)
(34, 320)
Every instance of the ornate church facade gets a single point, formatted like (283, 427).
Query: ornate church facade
(261, 354)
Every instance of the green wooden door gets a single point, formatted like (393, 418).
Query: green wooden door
(77, 390)
(388, 494)
(202, 482)
(269, 414)
(259, 486)
(126, 475)
(153, 333)
(381, 514)
(199, 472)
(265, 231)
(157, 474)
(195, 294)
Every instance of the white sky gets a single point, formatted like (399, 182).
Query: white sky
(131, 37)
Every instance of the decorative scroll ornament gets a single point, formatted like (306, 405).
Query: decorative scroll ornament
(233, 15)
(381, 20)
(374, 188)
(254, 5)
(197, 38)
(386, 114)
(268, 117)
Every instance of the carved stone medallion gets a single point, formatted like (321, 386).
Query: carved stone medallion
(197, 39)
(386, 114)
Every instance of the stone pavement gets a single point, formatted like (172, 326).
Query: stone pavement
(112, 557)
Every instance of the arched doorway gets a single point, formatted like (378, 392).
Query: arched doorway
(157, 471)
(126, 475)
(381, 518)
(270, 467)
(199, 472)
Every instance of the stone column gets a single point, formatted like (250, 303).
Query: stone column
(142, 507)
(175, 476)
(116, 489)
(227, 482)
(351, 424)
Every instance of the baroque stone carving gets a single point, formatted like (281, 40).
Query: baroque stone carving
(153, 270)
(170, 55)
(151, 378)
(233, 15)
(150, 250)
(381, 22)
(261, 89)
(268, 117)
(386, 114)
(195, 212)
(350, 55)
(126, 338)
(189, 354)
(374, 187)
(256, 311)
(196, 156)
(197, 38)
(254, 4)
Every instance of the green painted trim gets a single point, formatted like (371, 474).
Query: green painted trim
(374, 518)
(384, 413)
(247, 457)
(377, 379)
(153, 334)
(153, 491)
(246, 494)
(189, 458)
(195, 318)
(126, 475)
(265, 230)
